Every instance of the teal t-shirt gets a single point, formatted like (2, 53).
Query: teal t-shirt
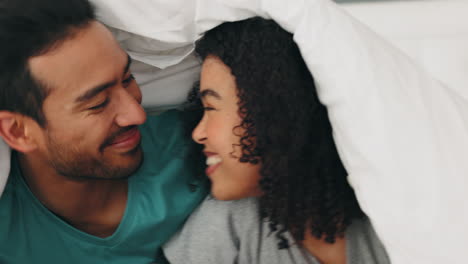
(161, 194)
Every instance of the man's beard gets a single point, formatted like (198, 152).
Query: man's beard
(74, 164)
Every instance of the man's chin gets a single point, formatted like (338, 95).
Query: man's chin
(132, 166)
(136, 151)
(121, 167)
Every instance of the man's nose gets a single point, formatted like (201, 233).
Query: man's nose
(130, 110)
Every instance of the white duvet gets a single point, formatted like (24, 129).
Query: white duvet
(402, 135)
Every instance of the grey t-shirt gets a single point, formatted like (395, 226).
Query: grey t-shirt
(232, 232)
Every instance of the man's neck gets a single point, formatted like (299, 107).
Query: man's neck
(92, 206)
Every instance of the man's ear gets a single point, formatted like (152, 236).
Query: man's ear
(15, 131)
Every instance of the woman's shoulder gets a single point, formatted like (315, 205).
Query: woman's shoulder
(213, 232)
(221, 214)
(230, 232)
(233, 218)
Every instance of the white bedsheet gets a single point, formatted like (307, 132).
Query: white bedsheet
(432, 32)
(402, 135)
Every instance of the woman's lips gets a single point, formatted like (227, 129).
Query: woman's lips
(127, 140)
(213, 161)
(209, 170)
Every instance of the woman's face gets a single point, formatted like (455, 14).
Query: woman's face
(231, 179)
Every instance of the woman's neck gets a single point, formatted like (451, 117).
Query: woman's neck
(324, 252)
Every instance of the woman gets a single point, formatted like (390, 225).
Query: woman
(266, 135)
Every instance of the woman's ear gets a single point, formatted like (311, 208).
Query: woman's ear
(15, 132)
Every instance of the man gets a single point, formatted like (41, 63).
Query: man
(90, 181)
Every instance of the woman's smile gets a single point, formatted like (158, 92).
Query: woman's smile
(213, 161)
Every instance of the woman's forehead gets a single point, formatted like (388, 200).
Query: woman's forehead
(216, 76)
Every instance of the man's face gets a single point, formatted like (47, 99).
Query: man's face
(93, 108)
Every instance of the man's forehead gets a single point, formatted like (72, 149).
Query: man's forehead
(91, 55)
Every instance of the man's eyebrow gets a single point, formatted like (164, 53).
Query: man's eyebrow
(94, 91)
(209, 92)
(98, 89)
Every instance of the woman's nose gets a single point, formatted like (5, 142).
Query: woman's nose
(198, 134)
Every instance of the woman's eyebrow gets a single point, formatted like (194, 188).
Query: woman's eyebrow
(209, 92)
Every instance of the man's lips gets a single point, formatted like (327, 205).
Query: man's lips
(126, 140)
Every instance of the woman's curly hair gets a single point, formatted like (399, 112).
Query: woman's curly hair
(286, 128)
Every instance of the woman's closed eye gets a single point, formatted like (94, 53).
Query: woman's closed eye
(127, 81)
(208, 108)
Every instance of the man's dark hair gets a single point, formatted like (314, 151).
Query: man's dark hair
(286, 129)
(31, 28)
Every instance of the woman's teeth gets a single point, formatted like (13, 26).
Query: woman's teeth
(213, 160)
